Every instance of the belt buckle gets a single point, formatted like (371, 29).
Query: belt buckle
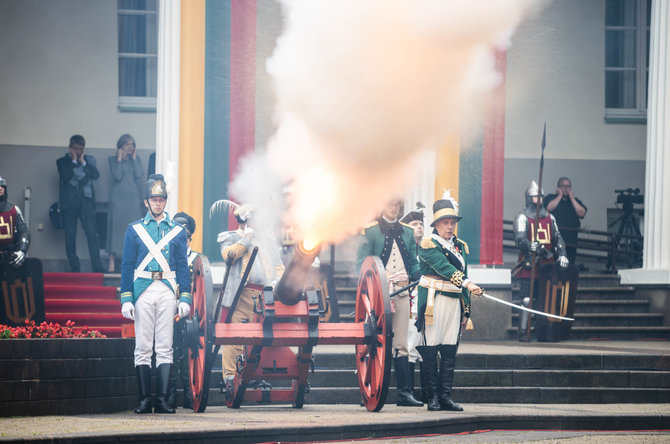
(157, 275)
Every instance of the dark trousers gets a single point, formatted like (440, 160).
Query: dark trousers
(84, 211)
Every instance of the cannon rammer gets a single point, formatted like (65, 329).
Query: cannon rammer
(286, 319)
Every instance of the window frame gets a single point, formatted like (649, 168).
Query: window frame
(639, 113)
(135, 103)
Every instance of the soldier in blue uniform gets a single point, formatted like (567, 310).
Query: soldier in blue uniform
(180, 370)
(153, 269)
(393, 242)
(444, 302)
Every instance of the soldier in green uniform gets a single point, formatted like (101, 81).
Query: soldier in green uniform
(393, 242)
(444, 302)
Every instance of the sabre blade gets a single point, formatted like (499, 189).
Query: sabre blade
(521, 307)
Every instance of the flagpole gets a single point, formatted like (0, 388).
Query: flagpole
(533, 255)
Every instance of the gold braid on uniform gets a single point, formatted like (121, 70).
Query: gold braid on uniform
(427, 243)
(457, 278)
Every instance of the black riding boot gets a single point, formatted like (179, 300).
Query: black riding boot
(188, 395)
(410, 380)
(447, 365)
(405, 397)
(172, 391)
(143, 373)
(424, 384)
(162, 386)
(429, 365)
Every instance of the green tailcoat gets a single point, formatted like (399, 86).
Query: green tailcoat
(375, 243)
(434, 261)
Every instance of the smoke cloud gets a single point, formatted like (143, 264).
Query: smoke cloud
(363, 87)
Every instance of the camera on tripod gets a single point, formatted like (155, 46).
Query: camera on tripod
(629, 196)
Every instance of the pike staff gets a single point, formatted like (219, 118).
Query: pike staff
(533, 256)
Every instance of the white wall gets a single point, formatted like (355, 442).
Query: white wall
(555, 74)
(59, 75)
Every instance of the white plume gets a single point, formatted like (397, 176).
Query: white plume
(447, 196)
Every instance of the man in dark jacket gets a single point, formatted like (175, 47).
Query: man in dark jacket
(77, 171)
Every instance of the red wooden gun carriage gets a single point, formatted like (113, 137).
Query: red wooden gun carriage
(286, 320)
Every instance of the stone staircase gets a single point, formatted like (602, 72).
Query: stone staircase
(605, 309)
(504, 372)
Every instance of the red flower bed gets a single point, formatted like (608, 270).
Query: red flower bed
(48, 330)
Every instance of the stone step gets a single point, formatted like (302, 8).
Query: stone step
(591, 293)
(612, 306)
(599, 280)
(514, 395)
(610, 333)
(610, 319)
(628, 361)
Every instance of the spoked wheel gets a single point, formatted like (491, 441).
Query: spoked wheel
(373, 357)
(200, 333)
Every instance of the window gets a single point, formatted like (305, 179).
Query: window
(626, 59)
(138, 54)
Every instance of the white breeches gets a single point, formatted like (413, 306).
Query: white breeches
(154, 322)
(400, 324)
(447, 322)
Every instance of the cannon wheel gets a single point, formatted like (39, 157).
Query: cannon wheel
(201, 348)
(373, 358)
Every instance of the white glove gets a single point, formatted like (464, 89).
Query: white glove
(17, 259)
(248, 231)
(563, 262)
(533, 247)
(184, 310)
(128, 310)
(398, 276)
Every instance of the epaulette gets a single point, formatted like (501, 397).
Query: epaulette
(370, 225)
(427, 242)
(465, 246)
(406, 225)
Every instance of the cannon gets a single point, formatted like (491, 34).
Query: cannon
(279, 343)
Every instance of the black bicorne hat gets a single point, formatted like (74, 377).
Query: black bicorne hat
(444, 208)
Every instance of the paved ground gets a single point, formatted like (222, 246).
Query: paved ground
(543, 423)
(337, 422)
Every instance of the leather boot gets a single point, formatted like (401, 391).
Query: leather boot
(188, 398)
(410, 380)
(424, 384)
(405, 397)
(162, 386)
(172, 391)
(429, 365)
(143, 373)
(447, 365)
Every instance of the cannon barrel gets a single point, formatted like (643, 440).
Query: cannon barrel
(296, 274)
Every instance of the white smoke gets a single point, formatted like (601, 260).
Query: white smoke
(362, 87)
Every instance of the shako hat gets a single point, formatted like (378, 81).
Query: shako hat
(155, 187)
(445, 207)
(185, 221)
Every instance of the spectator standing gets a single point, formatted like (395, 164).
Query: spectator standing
(568, 211)
(124, 197)
(76, 172)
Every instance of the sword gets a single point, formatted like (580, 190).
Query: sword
(521, 307)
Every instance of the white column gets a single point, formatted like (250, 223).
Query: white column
(656, 256)
(167, 101)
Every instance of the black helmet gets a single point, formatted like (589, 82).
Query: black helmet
(185, 221)
(155, 187)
